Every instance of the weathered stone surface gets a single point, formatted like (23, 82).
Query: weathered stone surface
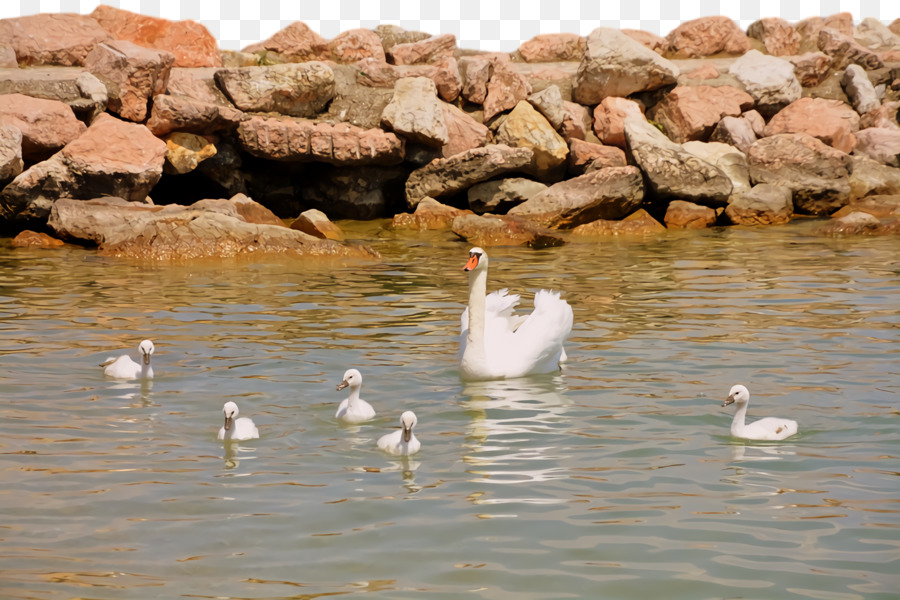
(464, 132)
(184, 151)
(500, 195)
(691, 113)
(763, 205)
(707, 36)
(672, 171)
(11, 163)
(79, 89)
(315, 223)
(52, 39)
(831, 121)
(878, 206)
(296, 41)
(770, 80)
(584, 154)
(860, 89)
(295, 89)
(504, 230)
(609, 119)
(658, 44)
(687, 215)
(706, 71)
(444, 72)
(171, 113)
(505, 89)
(354, 45)
(737, 132)
(873, 34)
(416, 113)
(429, 215)
(391, 35)
(844, 50)
(476, 72)
(616, 65)
(549, 103)
(882, 145)
(552, 47)
(816, 174)
(424, 51)
(861, 223)
(757, 122)
(611, 193)
(355, 102)
(46, 125)
(7, 57)
(191, 43)
(197, 84)
(92, 220)
(236, 58)
(33, 239)
(870, 178)
(447, 176)
(285, 139)
(777, 35)
(132, 75)
(111, 158)
(576, 122)
(885, 116)
(525, 127)
(811, 68)
(637, 223)
(729, 159)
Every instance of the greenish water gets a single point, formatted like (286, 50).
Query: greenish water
(615, 479)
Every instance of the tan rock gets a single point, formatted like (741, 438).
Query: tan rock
(707, 36)
(11, 163)
(236, 58)
(553, 47)
(549, 103)
(424, 51)
(873, 34)
(609, 119)
(584, 154)
(429, 215)
(658, 44)
(895, 26)
(132, 75)
(576, 123)
(691, 113)
(525, 127)
(861, 223)
(250, 210)
(841, 22)
(878, 206)
(189, 41)
(315, 223)
(883, 116)
(505, 89)
(52, 39)
(33, 239)
(463, 131)
(869, 177)
(184, 151)
(415, 112)
(763, 205)
(354, 45)
(180, 113)
(728, 159)
(503, 230)
(707, 71)
(296, 40)
(295, 89)
(637, 223)
(777, 35)
(737, 132)
(500, 195)
(687, 215)
(476, 72)
(391, 35)
(197, 84)
(444, 72)
(882, 145)
(811, 68)
(831, 121)
(46, 125)
(844, 50)
(8, 57)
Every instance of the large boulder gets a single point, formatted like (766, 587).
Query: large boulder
(525, 127)
(729, 159)
(316, 223)
(670, 170)
(424, 51)
(734, 131)
(415, 112)
(611, 193)
(295, 89)
(553, 47)
(429, 215)
(464, 132)
(354, 45)
(691, 112)
(500, 195)
(285, 139)
(879, 144)
(585, 156)
(681, 214)
(816, 174)
(616, 65)
(637, 223)
(11, 163)
(778, 36)
(46, 125)
(871, 178)
(447, 176)
(707, 36)
(191, 43)
(171, 113)
(52, 39)
(831, 121)
(770, 80)
(504, 230)
(861, 223)
(111, 158)
(132, 75)
(197, 84)
(765, 204)
(83, 92)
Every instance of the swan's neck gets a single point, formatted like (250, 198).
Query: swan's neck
(737, 425)
(353, 399)
(477, 293)
(146, 370)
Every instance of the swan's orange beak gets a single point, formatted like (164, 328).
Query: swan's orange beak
(473, 262)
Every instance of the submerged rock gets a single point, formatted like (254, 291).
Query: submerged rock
(429, 214)
(504, 230)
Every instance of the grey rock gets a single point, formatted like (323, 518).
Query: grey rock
(500, 195)
(769, 80)
(765, 204)
(859, 89)
(415, 112)
(11, 163)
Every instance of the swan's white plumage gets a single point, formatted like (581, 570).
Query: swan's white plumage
(402, 442)
(769, 428)
(125, 368)
(237, 429)
(501, 344)
(353, 409)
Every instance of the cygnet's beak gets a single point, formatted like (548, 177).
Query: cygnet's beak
(407, 433)
(228, 422)
(342, 385)
(146, 358)
(728, 400)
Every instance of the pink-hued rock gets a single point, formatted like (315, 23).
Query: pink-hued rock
(691, 112)
(687, 215)
(284, 139)
(191, 43)
(576, 121)
(33, 239)
(637, 223)
(429, 215)
(553, 47)
(844, 50)
(476, 72)
(878, 206)
(425, 51)
(198, 84)
(464, 132)
(171, 113)
(585, 157)
(861, 223)
(757, 122)
(391, 35)
(707, 71)
(7, 57)
(841, 22)
(444, 72)
(609, 119)
(504, 230)
(132, 75)
(883, 116)
(707, 36)
(296, 41)
(811, 68)
(315, 223)
(354, 45)
(831, 121)
(649, 40)
(734, 131)
(46, 125)
(777, 35)
(506, 88)
(879, 144)
(11, 163)
(52, 39)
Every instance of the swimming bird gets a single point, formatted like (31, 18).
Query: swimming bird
(770, 428)
(495, 343)
(402, 442)
(353, 409)
(125, 368)
(237, 429)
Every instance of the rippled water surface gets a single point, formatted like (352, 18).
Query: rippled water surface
(615, 479)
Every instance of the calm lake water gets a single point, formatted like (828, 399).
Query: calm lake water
(615, 479)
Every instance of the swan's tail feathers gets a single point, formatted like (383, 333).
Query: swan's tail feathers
(540, 338)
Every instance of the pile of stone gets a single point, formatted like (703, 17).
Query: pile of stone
(616, 133)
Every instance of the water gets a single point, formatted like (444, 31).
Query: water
(615, 479)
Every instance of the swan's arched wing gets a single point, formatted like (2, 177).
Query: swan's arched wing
(497, 305)
(538, 340)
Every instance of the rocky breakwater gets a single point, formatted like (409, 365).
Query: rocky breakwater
(130, 132)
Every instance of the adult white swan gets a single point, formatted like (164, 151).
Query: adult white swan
(495, 343)
(353, 409)
(237, 429)
(402, 442)
(770, 428)
(125, 368)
